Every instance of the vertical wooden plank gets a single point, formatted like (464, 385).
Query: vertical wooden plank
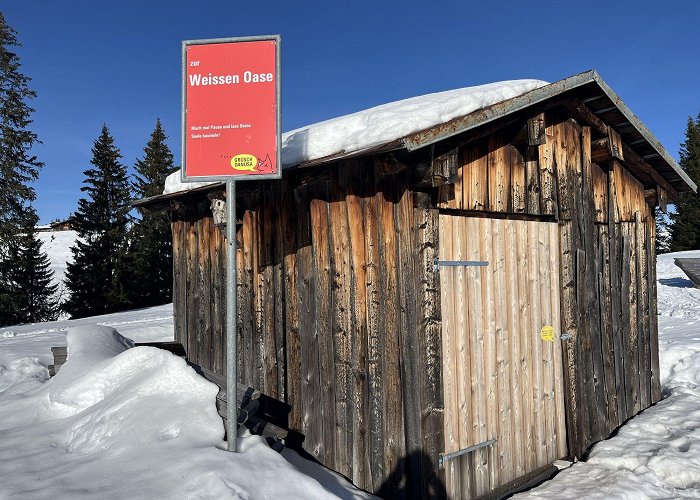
(322, 264)
(394, 419)
(341, 287)
(204, 286)
(468, 372)
(178, 228)
(532, 181)
(265, 299)
(643, 312)
(192, 284)
(430, 360)
(600, 193)
(409, 347)
(633, 322)
(653, 318)
(258, 337)
(569, 326)
(548, 186)
(549, 409)
(475, 178)
(559, 395)
(360, 401)
(462, 372)
(590, 307)
(294, 374)
(615, 253)
(490, 368)
(217, 306)
(527, 337)
(478, 462)
(498, 175)
(450, 360)
(312, 422)
(608, 346)
(247, 289)
(538, 372)
(278, 292)
(626, 296)
(375, 342)
(518, 181)
(502, 350)
(512, 297)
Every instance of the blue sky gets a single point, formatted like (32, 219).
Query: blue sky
(119, 63)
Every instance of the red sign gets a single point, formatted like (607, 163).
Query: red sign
(231, 108)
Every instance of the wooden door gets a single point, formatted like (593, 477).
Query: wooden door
(502, 376)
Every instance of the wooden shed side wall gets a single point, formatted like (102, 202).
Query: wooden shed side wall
(339, 316)
(607, 261)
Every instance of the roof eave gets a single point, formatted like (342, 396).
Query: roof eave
(537, 96)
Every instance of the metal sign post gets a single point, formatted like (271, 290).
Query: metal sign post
(231, 132)
(231, 314)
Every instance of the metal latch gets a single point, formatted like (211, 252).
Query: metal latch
(458, 263)
(444, 457)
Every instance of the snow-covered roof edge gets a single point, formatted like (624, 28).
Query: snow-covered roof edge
(307, 145)
(381, 124)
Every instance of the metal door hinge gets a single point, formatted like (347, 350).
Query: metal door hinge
(458, 263)
(444, 457)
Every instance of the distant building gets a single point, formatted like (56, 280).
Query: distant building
(58, 225)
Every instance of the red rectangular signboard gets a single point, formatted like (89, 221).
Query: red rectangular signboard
(231, 108)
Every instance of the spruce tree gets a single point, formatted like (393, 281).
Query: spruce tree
(149, 260)
(101, 221)
(18, 169)
(663, 232)
(685, 233)
(34, 292)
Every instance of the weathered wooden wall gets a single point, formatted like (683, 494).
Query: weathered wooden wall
(607, 260)
(339, 316)
(339, 308)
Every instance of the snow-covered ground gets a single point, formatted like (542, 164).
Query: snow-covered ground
(121, 422)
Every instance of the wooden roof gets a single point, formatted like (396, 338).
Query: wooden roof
(600, 106)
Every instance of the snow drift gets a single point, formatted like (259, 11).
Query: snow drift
(124, 422)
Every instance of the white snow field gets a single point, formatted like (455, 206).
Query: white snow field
(139, 423)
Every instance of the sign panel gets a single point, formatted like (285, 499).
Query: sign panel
(231, 126)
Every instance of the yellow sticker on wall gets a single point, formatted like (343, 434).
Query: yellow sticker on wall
(547, 333)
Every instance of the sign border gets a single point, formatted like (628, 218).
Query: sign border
(278, 79)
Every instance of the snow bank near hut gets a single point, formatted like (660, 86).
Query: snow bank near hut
(124, 422)
(382, 124)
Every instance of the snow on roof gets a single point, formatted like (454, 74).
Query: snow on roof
(382, 124)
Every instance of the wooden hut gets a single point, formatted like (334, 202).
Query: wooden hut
(447, 313)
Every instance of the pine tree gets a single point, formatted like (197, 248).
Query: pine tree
(34, 292)
(101, 221)
(685, 234)
(18, 167)
(149, 259)
(663, 232)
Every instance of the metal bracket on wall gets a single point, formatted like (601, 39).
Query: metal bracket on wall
(457, 263)
(444, 457)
